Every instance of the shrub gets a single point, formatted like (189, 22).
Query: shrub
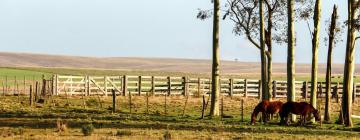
(18, 131)
(87, 130)
(92, 102)
(61, 126)
(123, 133)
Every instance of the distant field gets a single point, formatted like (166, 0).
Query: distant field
(150, 64)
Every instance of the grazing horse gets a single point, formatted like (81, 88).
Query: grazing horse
(299, 108)
(266, 107)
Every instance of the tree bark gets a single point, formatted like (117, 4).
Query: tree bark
(265, 91)
(214, 109)
(291, 51)
(269, 56)
(315, 46)
(329, 62)
(349, 67)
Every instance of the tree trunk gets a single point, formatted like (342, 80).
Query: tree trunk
(265, 91)
(315, 46)
(291, 51)
(349, 67)
(329, 61)
(269, 56)
(214, 109)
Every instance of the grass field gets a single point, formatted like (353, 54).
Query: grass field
(20, 121)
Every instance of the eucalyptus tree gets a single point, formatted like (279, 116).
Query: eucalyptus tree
(291, 52)
(348, 81)
(315, 46)
(215, 74)
(334, 32)
(250, 20)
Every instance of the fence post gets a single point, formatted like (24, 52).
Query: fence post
(139, 85)
(199, 87)
(105, 85)
(274, 89)
(245, 88)
(31, 96)
(152, 85)
(304, 90)
(56, 84)
(147, 103)
(88, 89)
(36, 91)
(43, 89)
(259, 90)
(337, 92)
(113, 100)
(354, 93)
(125, 81)
(15, 86)
(242, 110)
(185, 84)
(52, 86)
(231, 89)
(3, 88)
(320, 90)
(169, 85)
(203, 107)
(6, 84)
(166, 105)
(210, 84)
(24, 84)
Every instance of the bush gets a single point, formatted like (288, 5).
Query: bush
(87, 130)
(92, 102)
(61, 126)
(123, 133)
(18, 131)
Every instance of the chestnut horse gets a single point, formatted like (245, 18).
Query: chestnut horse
(266, 107)
(299, 108)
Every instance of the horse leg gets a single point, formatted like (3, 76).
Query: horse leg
(303, 121)
(266, 118)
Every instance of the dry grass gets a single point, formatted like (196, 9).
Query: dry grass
(45, 122)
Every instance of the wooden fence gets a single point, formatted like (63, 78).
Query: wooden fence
(159, 85)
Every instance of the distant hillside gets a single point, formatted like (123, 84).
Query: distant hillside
(155, 64)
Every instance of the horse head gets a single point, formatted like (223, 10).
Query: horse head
(317, 115)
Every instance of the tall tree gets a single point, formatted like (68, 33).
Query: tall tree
(215, 74)
(332, 32)
(315, 46)
(246, 16)
(349, 64)
(291, 51)
(264, 76)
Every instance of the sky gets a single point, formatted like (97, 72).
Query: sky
(141, 28)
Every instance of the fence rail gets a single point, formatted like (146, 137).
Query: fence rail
(160, 85)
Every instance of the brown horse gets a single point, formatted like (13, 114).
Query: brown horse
(266, 107)
(299, 108)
